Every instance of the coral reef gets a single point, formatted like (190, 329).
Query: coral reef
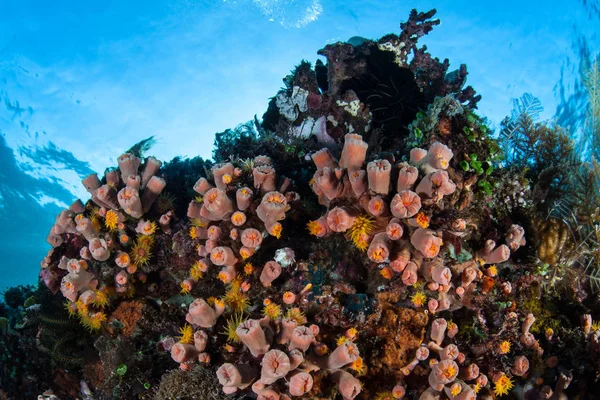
(369, 238)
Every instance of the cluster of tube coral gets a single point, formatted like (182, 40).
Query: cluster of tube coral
(403, 282)
(108, 242)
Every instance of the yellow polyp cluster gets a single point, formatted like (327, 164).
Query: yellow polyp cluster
(231, 326)
(94, 321)
(504, 347)
(142, 251)
(222, 276)
(477, 388)
(70, 309)
(198, 223)
(150, 228)
(418, 299)
(272, 310)
(101, 299)
(361, 229)
(456, 389)
(492, 270)
(193, 232)
(196, 271)
(596, 326)
(341, 340)
(248, 269)
(503, 385)
(386, 273)
(358, 365)
(111, 220)
(422, 220)
(198, 199)
(185, 289)
(187, 334)
(352, 333)
(276, 230)
(384, 396)
(296, 314)
(314, 228)
(237, 301)
(449, 372)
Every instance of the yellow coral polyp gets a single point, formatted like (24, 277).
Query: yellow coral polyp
(193, 232)
(101, 299)
(111, 220)
(422, 220)
(504, 347)
(150, 228)
(503, 385)
(231, 326)
(185, 288)
(276, 230)
(272, 310)
(455, 390)
(187, 334)
(141, 252)
(237, 301)
(341, 340)
(384, 396)
(449, 372)
(358, 365)
(418, 299)
(296, 314)
(196, 272)
(360, 230)
(94, 322)
(248, 269)
(314, 228)
(222, 276)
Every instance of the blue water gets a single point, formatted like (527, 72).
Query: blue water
(80, 82)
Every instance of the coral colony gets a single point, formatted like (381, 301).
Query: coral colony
(366, 241)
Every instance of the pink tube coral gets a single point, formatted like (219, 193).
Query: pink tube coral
(300, 383)
(328, 181)
(426, 242)
(251, 238)
(272, 208)
(438, 330)
(222, 174)
(354, 152)
(378, 249)
(234, 377)
(128, 164)
(201, 314)
(405, 204)
(99, 249)
(202, 186)
(394, 230)
(443, 373)
(264, 178)
(515, 237)
(491, 254)
(436, 185)
(222, 255)
(302, 338)
(407, 176)
(129, 200)
(270, 272)
(151, 167)
(438, 157)
(275, 365)
(252, 335)
(358, 181)
(153, 189)
(340, 219)
(378, 173)
(217, 205)
(323, 158)
(348, 385)
(344, 354)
